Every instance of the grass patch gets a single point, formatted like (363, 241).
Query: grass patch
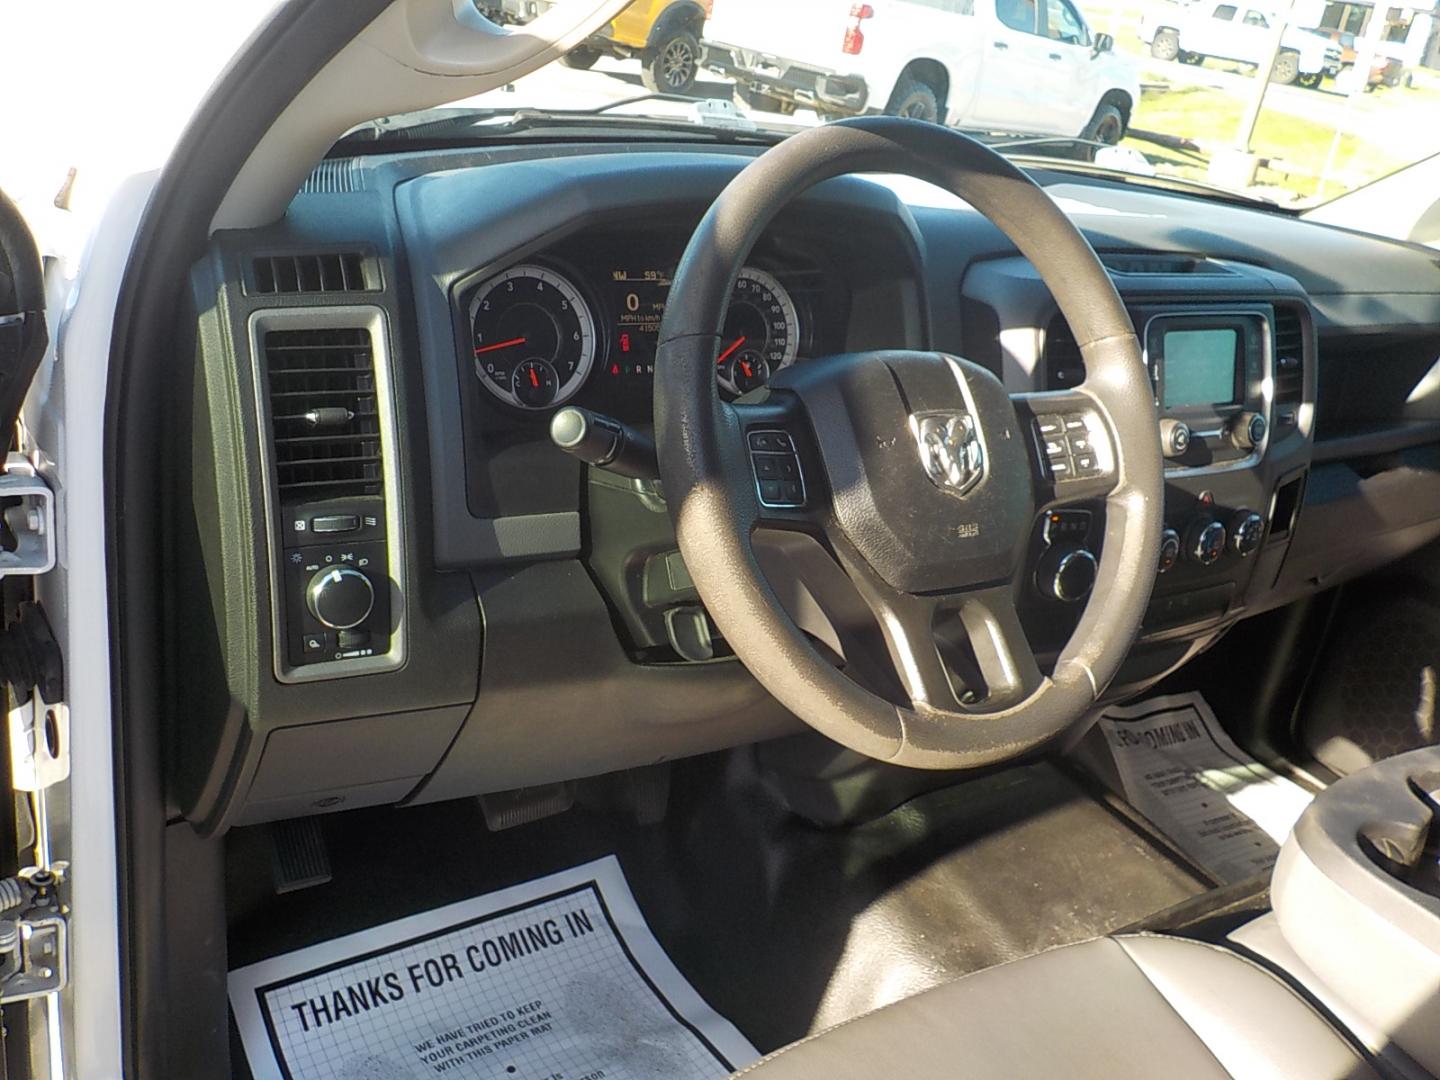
(1301, 147)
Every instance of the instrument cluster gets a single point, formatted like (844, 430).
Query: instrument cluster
(581, 322)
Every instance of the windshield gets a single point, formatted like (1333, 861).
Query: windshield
(1291, 106)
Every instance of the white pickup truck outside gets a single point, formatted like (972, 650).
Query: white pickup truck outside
(1238, 31)
(1026, 66)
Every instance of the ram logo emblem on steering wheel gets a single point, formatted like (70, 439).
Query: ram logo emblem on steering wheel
(950, 450)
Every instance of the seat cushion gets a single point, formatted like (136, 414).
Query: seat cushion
(1134, 1006)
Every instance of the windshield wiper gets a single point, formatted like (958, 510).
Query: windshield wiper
(442, 125)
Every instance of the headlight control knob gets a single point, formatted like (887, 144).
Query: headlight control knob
(1067, 574)
(1174, 437)
(340, 597)
(1205, 542)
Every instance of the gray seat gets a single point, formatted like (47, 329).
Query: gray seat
(1134, 1006)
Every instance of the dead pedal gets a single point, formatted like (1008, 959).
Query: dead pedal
(300, 858)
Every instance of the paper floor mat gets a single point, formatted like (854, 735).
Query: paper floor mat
(555, 979)
(1220, 806)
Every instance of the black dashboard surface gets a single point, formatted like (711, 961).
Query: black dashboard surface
(507, 539)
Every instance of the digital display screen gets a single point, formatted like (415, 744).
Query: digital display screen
(638, 298)
(1200, 367)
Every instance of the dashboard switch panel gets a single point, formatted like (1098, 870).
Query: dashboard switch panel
(337, 602)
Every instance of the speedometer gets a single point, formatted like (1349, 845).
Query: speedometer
(533, 336)
(761, 334)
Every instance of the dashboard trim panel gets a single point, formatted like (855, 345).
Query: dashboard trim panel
(351, 316)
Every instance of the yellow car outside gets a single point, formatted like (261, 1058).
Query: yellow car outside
(664, 35)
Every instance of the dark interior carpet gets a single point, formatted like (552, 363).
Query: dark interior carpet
(783, 927)
(1375, 687)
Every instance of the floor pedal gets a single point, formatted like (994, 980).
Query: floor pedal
(507, 809)
(299, 857)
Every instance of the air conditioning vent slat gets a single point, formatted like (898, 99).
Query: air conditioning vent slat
(325, 418)
(1289, 357)
(1063, 365)
(318, 273)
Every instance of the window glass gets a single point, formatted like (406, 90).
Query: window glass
(1017, 14)
(1063, 23)
(1254, 18)
(1225, 12)
(954, 7)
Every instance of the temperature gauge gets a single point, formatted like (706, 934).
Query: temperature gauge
(534, 383)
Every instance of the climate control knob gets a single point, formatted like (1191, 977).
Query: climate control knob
(1247, 530)
(1174, 437)
(1169, 550)
(1067, 574)
(1205, 542)
(340, 598)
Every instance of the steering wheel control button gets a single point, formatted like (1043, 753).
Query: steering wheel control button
(1068, 445)
(340, 598)
(1205, 542)
(1174, 437)
(771, 442)
(1169, 551)
(779, 480)
(1247, 530)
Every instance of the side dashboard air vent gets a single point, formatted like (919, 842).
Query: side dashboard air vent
(324, 415)
(1064, 367)
(1289, 357)
(333, 273)
(335, 176)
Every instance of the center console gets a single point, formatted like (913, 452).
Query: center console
(1357, 898)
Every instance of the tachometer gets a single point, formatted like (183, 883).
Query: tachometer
(533, 336)
(761, 335)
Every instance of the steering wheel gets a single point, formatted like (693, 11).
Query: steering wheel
(918, 474)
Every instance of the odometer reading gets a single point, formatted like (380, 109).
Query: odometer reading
(533, 337)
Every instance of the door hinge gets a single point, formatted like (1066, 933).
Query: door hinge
(33, 928)
(27, 519)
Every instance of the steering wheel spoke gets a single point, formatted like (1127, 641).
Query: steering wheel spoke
(1072, 447)
(961, 651)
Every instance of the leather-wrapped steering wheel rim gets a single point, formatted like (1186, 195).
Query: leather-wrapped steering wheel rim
(705, 449)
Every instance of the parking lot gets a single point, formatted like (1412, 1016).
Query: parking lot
(1313, 143)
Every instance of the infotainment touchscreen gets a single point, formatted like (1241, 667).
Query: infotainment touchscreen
(1201, 367)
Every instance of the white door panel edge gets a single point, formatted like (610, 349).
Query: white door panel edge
(415, 55)
(65, 417)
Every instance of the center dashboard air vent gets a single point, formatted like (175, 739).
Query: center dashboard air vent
(1289, 357)
(336, 272)
(324, 414)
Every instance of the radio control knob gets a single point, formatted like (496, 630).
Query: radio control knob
(1247, 530)
(1174, 437)
(340, 598)
(1169, 550)
(1247, 431)
(1205, 542)
(1067, 574)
